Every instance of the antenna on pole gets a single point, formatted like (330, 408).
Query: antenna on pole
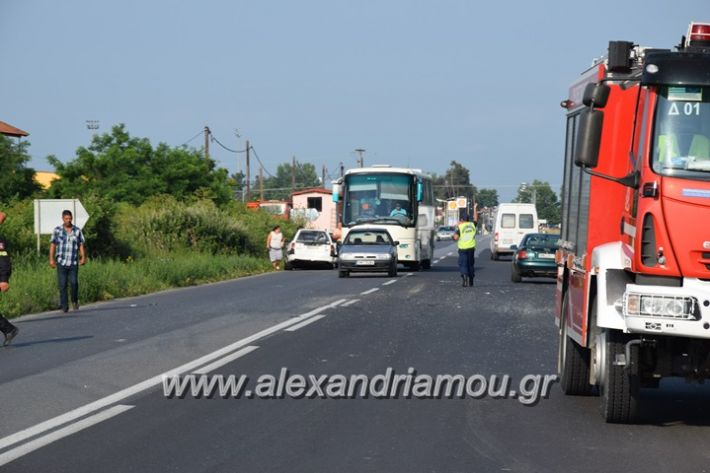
(360, 160)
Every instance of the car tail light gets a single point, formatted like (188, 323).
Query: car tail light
(522, 254)
(495, 238)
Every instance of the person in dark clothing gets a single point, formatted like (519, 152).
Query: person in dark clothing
(9, 330)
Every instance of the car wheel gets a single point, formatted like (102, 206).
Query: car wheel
(426, 264)
(342, 274)
(392, 271)
(288, 265)
(515, 275)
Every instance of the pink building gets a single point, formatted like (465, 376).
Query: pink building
(316, 207)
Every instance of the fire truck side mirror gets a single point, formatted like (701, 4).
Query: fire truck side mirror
(590, 134)
(596, 95)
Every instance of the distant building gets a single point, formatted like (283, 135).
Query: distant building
(45, 178)
(316, 207)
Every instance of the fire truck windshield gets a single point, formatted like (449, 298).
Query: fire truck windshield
(681, 141)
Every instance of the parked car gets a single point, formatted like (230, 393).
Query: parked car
(445, 233)
(368, 250)
(310, 247)
(535, 256)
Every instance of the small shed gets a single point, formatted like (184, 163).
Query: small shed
(316, 207)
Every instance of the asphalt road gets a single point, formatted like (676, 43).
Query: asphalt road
(83, 392)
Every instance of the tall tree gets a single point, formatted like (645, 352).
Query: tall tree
(487, 198)
(128, 169)
(16, 179)
(455, 182)
(545, 199)
(279, 185)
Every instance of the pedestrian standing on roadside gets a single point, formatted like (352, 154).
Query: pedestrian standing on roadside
(275, 243)
(8, 330)
(465, 237)
(66, 253)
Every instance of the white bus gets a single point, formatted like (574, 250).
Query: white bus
(398, 199)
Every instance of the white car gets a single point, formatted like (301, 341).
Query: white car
(445, 233)
(310, 247)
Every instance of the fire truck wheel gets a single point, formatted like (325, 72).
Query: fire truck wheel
(572, 359)
(619, 389)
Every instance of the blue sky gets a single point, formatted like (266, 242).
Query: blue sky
(414, 83)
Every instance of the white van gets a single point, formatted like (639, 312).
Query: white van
(512, 221)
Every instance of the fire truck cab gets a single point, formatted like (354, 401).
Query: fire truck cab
(633, 284)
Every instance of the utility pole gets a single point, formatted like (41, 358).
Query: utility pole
(323, 176)
(207, 142)
(248, 176)
(361, 160)
(293, 175)
(261, 183)
(342, 169)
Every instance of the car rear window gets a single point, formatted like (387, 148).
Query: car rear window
(507, 221)
(526, 221)
(542, 241)
(312, 237)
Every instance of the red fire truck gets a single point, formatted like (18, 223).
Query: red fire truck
(633, 284)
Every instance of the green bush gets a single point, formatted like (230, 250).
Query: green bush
(137, 250)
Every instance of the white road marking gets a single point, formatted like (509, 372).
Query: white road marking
(409, 274)
(45, 440)
(351, 302)
(370, 291)
(449, 253)
(150, 382)
(321, 309)
(227, 359)
(315, 318)
(389, 282)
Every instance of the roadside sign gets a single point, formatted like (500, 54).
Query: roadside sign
(453, 205)
(48, 214)
(461, 203)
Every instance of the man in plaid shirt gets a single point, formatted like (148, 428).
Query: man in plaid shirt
(66, 253)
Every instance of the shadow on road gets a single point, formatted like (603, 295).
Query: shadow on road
(51, 340)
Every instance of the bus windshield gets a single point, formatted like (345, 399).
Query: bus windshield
(681, 137)
(379, 198)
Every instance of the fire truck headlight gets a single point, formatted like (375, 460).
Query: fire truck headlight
(660, 306)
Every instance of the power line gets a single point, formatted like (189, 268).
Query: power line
(214, 138)
(262, 164)
(198, 134)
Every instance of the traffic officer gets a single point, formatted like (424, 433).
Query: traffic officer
(465, 237)
(9, 330)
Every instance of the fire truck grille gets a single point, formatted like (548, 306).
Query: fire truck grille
(706, 256)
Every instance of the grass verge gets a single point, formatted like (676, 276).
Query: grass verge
(33, 286)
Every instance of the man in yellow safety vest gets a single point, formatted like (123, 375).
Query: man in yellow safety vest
(465, 237)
